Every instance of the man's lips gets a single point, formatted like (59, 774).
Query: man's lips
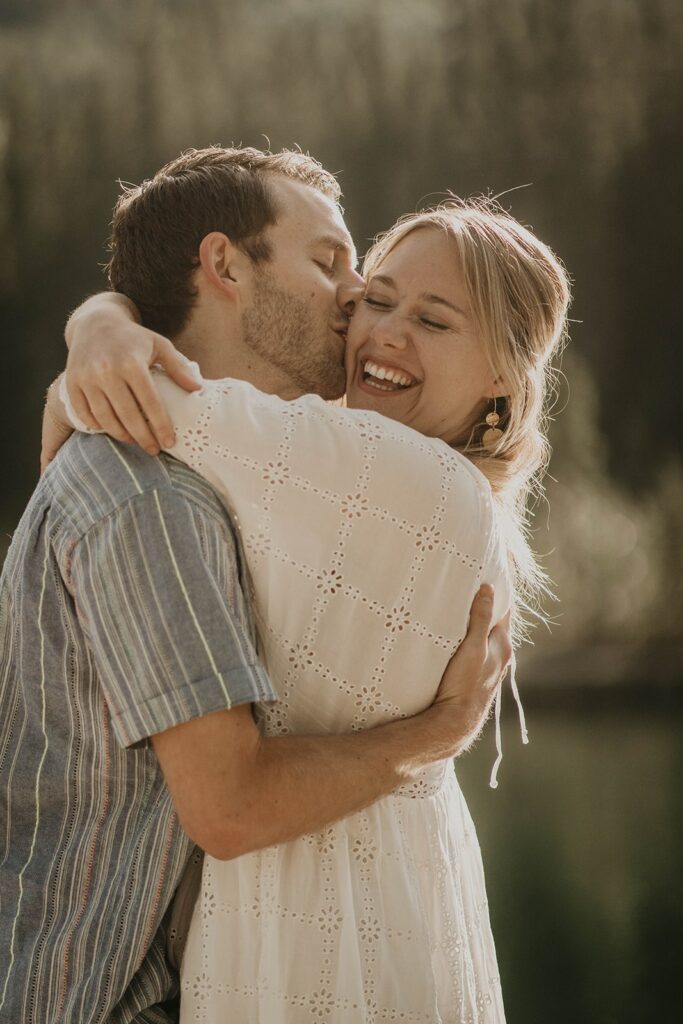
(341, 335)
(341, 328)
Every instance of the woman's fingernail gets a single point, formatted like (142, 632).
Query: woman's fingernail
(169, 441)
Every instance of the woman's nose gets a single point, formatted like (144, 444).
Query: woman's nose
(350, 292)
(391, 332)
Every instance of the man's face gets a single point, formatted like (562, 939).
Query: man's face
(304, 295)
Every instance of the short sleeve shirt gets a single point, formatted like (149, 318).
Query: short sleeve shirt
(121, 615)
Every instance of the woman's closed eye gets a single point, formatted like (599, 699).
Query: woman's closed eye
(434, 325)
(378, 303)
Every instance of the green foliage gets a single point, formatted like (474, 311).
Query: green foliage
(617, 559)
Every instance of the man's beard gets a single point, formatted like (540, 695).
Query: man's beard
(280, 328)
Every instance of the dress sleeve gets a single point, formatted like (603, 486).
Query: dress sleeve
(232, 420)
(149, 583)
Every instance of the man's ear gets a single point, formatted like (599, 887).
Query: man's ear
(224, 265)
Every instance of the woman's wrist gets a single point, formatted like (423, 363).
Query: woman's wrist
(100, 312)
(56, 427)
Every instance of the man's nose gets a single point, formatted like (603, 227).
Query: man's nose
(350, 292)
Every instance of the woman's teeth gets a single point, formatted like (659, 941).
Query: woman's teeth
(373, 374)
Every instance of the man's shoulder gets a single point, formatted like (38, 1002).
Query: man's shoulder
(94, 475)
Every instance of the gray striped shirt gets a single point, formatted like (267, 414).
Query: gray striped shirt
(121, 615)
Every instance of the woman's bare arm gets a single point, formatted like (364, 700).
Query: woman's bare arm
(56, 428)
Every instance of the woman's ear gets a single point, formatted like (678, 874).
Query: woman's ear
(499, 389)
(223, 264)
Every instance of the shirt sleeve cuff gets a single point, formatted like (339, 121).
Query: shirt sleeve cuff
(247, 685)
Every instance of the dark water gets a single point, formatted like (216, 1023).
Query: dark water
(582, 850)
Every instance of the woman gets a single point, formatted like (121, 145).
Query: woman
(383, 915)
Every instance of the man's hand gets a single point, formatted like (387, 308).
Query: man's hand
(107, 372)
(475, 671)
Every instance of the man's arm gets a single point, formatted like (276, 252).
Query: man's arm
(236, 791)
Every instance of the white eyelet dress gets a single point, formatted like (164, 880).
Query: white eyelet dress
(366, 543)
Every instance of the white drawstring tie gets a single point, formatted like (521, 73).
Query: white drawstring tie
(493, 781)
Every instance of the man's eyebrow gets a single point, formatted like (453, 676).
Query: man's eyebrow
(425, 296)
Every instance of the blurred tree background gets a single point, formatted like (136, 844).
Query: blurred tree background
(580, 101)
(571, 108)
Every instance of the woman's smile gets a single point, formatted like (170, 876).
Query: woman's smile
(376, 375)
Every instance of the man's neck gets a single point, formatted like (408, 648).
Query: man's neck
(218, 359)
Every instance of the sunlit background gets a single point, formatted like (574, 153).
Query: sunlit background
(573, 108)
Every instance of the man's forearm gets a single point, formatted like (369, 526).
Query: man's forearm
(104, 305)
(236, 790)
(301, 784)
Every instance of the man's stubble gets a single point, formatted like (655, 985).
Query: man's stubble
(281, 329)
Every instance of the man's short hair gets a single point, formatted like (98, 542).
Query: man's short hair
(158, 225)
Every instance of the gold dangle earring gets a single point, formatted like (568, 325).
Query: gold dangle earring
(493, 435)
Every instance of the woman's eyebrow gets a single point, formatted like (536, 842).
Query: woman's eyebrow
(429, 297)
(383, 279)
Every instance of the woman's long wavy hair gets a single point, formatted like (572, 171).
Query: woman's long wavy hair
(519, 295)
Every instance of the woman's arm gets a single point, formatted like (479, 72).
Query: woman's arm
(107, 371)
(56, 428)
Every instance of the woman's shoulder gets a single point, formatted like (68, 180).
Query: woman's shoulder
(321, 437)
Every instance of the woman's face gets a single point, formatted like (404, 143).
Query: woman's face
(413, 352)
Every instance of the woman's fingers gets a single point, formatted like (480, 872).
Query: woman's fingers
(147, 398)
(111, 387)
(179, 369)
(128, 386)
(81, 405)
(108, 420)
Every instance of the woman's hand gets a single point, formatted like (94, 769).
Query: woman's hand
(56, 428)
(108, 372)
(477, 668)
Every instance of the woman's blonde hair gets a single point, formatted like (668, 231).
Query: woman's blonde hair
(519, 296)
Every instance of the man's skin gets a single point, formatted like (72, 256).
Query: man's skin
(234, 789)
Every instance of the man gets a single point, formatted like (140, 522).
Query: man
(128, 664)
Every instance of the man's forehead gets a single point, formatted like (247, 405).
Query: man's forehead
(311, 216)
